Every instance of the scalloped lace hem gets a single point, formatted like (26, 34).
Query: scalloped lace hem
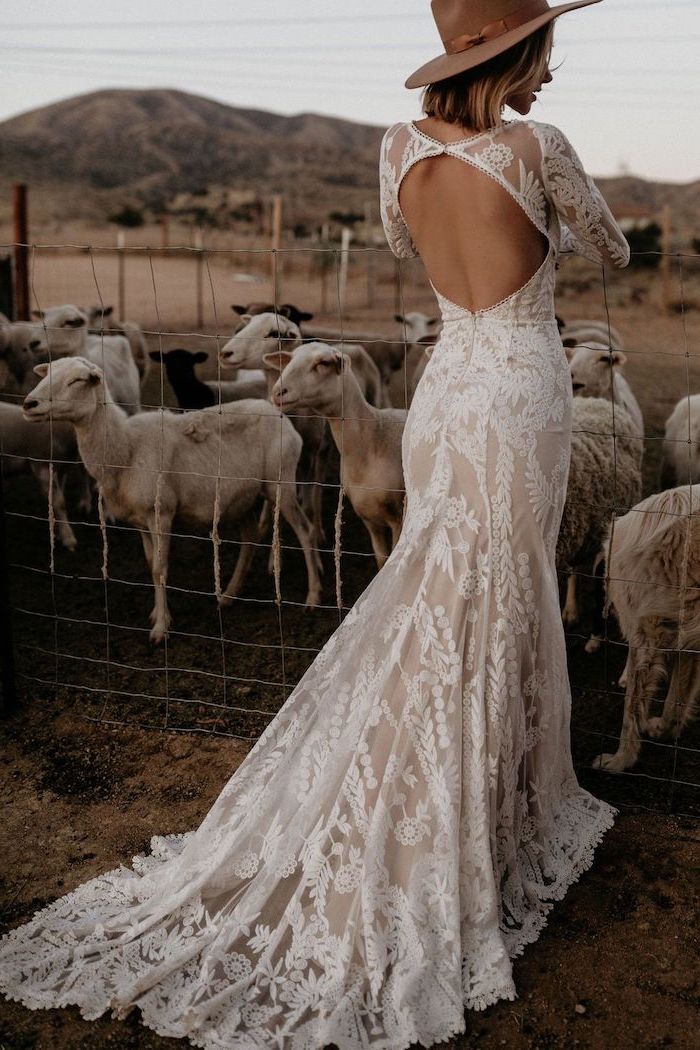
(515, 943)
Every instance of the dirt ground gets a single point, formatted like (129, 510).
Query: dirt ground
(85, 785)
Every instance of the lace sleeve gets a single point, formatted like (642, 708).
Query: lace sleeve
(396, 230)
(587, 224)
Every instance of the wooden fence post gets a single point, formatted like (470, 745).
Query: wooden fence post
(121, 275)
(8, 691)
(21, 252)
(198, 243)
(665, 262)
(345, 239)
(276, 243)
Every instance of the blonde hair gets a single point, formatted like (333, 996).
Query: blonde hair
(474, 99)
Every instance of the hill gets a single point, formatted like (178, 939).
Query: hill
(89, 155)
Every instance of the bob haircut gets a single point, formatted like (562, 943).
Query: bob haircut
(475, 98)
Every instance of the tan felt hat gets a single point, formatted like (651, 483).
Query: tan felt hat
(473, 31)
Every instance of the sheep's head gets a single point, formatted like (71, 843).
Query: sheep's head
(21, 345)
(592, 369)
(258, 336)
(67, 316)
(179, 363)
(419, 328)
(311, 377)
(69, 389)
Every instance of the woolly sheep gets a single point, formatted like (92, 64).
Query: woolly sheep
(200, 466)
(681, 445)
(321, 378)
(582, 332)
(652, 562)
(597, 372)
(604, 477)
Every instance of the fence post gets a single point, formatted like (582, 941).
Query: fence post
(8, 691)
(198, 243)
(344, 257)
(121, 275)
(276, 243)
(21, 252)
(665, 262)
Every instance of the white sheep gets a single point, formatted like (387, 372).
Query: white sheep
(321, 378)
(583, 332)
(681, 445)
(421, 333)
(652, 563)
(597, 372)
(66, 329)
(26, 446)
(201, 466)
(21, 343)
(100, 322)
(605, 477)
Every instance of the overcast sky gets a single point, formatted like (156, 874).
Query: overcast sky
(627, 94)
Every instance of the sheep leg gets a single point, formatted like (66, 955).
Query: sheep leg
(377, 535)
(598, 632)
(570, 611)
(680, 698)
(644, 670)
(156, 549)
(249, 528)
(294, 515)
(85, 498)
(58, 501)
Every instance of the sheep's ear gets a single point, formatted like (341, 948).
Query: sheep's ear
(569, 342)
(277, 359)
(156, 355)
(303, 315)
(569, 351)
(200, 357)
(108, 311)
(237, 309)
(618, 358)
(40, 370)
(94, 378)
(399, 317)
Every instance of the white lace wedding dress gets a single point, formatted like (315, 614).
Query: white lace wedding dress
(400, 830)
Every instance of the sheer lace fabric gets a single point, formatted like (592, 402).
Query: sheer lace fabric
(401, 829)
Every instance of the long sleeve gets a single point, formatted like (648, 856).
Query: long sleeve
(587, 224)
(395, 228)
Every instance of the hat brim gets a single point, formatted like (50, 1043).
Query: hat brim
(445, 65)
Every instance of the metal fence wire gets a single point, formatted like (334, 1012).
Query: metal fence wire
(75, 627)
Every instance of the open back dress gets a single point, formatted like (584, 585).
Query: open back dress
(404, 824)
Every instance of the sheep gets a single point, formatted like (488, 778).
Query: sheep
(681, 444)
(321, 378)
(66, 329)
(21, 344)
(651, 557)
(24, 445)
(192, 392)
(421, 332)
(155, 466)
(576, 333)
(596, 371)
(134, 335)
(604, 476)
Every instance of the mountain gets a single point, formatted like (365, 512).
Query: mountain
(86, 156)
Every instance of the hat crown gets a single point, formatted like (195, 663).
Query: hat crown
(454, 17)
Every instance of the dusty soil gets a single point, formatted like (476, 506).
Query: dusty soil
(85, 785)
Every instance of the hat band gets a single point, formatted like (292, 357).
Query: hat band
(495, 29)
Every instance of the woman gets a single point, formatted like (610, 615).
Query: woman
(400, 830)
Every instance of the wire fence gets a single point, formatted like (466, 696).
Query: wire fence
(77, 587)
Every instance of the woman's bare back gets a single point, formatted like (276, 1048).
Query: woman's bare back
(477, 244)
